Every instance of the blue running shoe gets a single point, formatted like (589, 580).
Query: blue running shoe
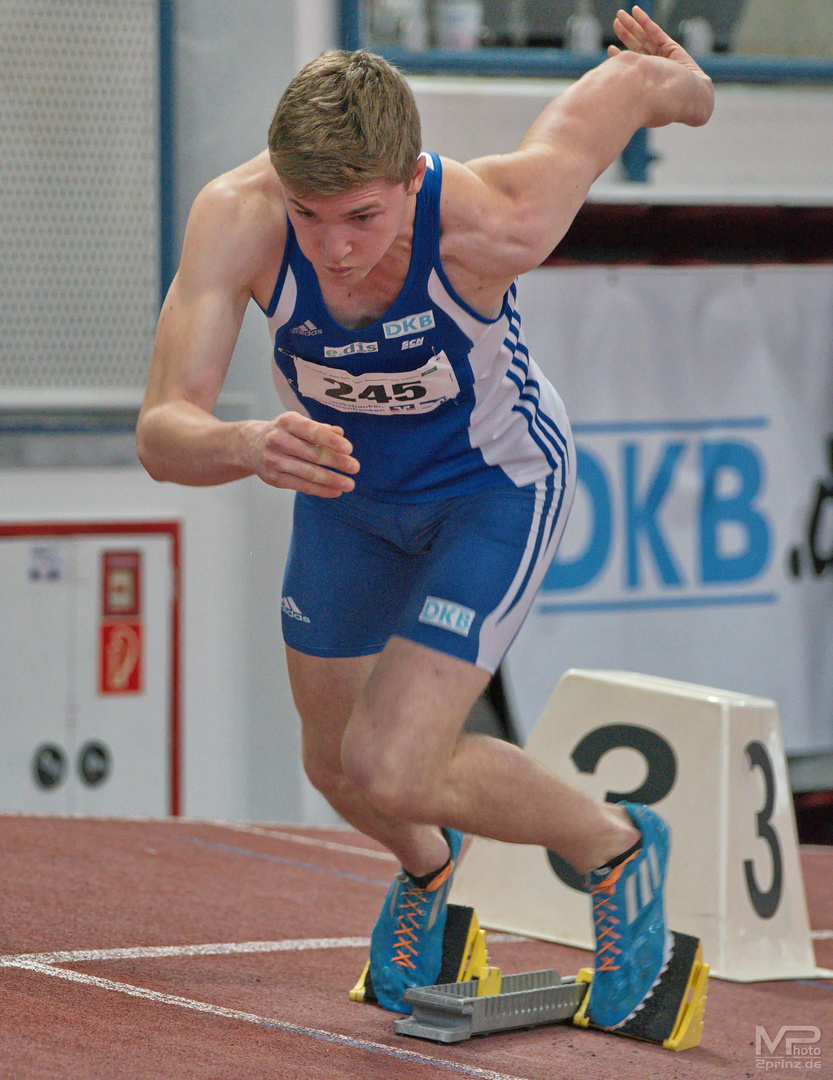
(406, 946)
(633, 946)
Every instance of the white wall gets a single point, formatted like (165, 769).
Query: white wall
(762, 142)
(216, 580)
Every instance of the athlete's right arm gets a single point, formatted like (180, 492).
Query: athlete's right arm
(178, 437)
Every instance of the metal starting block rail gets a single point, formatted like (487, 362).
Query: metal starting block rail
(453, 1012)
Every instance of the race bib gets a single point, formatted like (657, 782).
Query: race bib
(383, 393)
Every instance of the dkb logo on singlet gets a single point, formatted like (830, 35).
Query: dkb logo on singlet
(411, 324)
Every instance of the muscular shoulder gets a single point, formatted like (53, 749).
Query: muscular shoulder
(476, 241)
(237, 228)
(467, 204)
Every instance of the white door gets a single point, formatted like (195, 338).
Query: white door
(36, 672)
(86, 673)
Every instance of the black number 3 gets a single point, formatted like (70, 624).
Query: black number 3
(662, 772)
(765, 903)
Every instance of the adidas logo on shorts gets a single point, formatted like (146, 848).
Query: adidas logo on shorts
(290, 608)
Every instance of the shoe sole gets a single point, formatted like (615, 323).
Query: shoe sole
(667, 952)
(672, 1015)
(667, 957)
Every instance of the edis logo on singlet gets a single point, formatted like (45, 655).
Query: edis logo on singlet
(411, 324)
(353, 349)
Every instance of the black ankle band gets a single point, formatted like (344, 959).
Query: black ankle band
(611, 864)
(426, 879)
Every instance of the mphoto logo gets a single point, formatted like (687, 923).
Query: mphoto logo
(793, 1047)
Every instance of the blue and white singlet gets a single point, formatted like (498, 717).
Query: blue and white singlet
(436, 399)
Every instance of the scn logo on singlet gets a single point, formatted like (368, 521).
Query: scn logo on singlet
(666, 514)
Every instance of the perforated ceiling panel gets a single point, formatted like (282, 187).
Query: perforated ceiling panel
(79, 263)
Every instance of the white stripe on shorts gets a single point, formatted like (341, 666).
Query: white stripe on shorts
(501, 626)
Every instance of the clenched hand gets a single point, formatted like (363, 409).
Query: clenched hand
(293, 451)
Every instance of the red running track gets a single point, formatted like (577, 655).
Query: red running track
(179, 949)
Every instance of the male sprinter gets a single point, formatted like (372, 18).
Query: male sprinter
(388, 280)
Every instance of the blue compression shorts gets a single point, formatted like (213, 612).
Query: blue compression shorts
(458, 575)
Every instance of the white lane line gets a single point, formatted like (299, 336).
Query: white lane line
(225, 948)
(310, 841)
(822, 935)
(264, 1021)
(149, 952)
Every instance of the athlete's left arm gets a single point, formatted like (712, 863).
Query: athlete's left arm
(509, 211)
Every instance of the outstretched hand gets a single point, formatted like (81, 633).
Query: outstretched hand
(640, 34)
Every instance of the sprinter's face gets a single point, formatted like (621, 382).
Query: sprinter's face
(344, 236)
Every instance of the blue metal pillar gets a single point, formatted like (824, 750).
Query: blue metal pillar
(351, 24)
(167, 184)
(637, 156)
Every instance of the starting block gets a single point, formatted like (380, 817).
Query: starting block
(673, 1014)
(472, 997)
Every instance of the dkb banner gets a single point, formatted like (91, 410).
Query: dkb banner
(700, 545)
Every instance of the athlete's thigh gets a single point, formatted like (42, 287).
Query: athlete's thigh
(409, 715)
(485, 567)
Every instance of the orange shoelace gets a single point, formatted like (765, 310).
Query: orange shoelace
(405, 936)
(410, 912)
(606, 920)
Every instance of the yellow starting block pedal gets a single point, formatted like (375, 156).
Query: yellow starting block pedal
(464, 957)
(673, 1015)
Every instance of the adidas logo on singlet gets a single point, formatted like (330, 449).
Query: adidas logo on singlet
(307, 328)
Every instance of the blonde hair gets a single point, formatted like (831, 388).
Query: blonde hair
(346, 119)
